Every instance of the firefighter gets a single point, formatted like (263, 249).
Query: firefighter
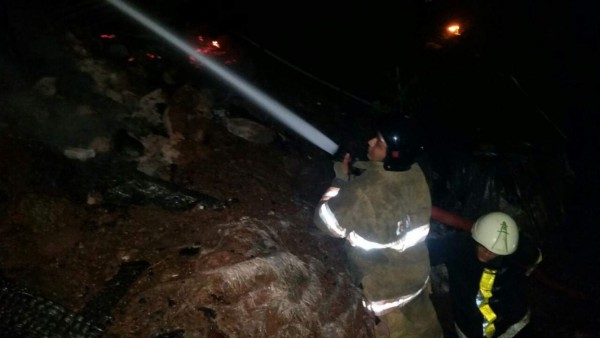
(485, 274)
(383, 215)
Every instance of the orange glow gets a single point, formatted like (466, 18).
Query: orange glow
(453, 29)
(206, 46)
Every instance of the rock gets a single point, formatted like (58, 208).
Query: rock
(80, 154)
(46, 86)
(250, 285)
(124, 190)
(250, 130)
(149, 107)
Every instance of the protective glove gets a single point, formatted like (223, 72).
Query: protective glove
(338, 168)
(342, 169)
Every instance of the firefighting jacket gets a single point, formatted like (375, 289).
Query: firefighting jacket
(487, 298)
(384, 218)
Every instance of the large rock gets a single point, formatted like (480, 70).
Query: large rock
(246, 284)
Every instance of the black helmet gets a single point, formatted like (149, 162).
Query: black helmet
(403, 138)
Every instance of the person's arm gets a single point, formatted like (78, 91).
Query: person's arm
(342, 170)
(323, 217)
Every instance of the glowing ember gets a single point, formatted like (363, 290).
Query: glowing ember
(453, 29)
(153, 56)
(212, 47)
(108, 36)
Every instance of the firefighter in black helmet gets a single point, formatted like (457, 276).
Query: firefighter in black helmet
(403, 139)
(383, 215)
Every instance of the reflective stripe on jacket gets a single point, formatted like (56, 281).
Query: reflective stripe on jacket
(384, 217)
(484, 305)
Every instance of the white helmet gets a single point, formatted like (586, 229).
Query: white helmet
(497, 232)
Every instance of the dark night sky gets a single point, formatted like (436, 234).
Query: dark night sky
(550, 47)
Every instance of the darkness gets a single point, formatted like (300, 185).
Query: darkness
(549, 47)
(390, 54)
(396, 54)
(525, 70)
(521, 71)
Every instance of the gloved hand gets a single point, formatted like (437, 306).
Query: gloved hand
(342, 169)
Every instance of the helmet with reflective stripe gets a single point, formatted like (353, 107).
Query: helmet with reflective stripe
(497, 232)
(403, 138)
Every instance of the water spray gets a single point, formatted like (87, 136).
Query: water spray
(277, 110)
